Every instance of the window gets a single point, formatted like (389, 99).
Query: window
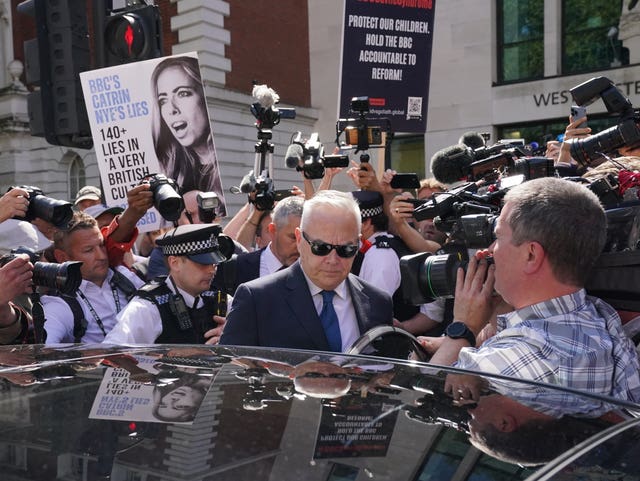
(407, 154)
(77, 177)
(590, 30)
(520, 40)
(541, 132)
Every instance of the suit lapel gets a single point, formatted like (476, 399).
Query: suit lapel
(299, 300)
(360, 302)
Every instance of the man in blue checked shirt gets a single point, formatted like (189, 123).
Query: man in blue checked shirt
(548, 236)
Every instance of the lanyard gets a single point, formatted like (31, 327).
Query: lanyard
(95, 315)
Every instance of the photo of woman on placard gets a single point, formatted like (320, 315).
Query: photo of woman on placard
(181, 129)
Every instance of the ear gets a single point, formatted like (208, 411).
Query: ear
(173, 262)
(507, 423)
(271, 228)
(298, 233)
(536, 257)
(60, 255)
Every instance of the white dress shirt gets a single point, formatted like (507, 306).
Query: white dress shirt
(59, 322)
(269, 263)
(140, 322)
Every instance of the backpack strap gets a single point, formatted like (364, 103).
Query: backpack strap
(79, 321)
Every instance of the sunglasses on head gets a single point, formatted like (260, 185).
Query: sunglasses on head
(323, 249)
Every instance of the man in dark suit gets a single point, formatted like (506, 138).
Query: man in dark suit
(316, 303)
(281, 252)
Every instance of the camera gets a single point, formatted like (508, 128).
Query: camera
(207, 204)
(308, 157)
(65, 277)
(468, 214)
(166, 196)
(265, 111)
(431, 276)
(626, 133)
(363, 132)
(57, 212)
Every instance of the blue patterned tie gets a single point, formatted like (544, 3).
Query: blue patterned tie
(329, 320)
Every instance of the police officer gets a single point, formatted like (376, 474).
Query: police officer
(179, 308)
(378, 260)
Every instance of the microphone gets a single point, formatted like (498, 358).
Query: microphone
(293, 156)
(471, 139)
(451, 164)
(248, 183)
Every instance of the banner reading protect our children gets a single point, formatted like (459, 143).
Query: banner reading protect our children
(386, 56)
(151, 117)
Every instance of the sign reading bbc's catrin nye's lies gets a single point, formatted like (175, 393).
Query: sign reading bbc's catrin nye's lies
(151, 117)
(386, 56)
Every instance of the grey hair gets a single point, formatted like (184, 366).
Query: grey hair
(541, 211)
(331, 198)
(285, 208)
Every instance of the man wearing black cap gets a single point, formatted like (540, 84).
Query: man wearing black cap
(178, 309)
(378, 259)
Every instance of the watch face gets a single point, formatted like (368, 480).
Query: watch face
(456, 329)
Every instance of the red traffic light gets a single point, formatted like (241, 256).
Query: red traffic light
(132, 35)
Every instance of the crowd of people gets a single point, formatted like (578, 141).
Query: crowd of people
(322, 268)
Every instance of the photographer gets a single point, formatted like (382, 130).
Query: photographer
(556, 332)
(90, 314)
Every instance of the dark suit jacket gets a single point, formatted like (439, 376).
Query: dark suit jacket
(237, 270)
(278, 311)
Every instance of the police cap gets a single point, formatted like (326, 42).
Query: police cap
(198, 242)
(370, 202)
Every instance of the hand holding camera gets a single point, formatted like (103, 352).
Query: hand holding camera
(15, 276)
(14, 203)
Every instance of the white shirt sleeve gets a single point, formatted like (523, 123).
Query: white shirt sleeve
(434, 310)
(381, 267)
(138, 323)
(58, 320)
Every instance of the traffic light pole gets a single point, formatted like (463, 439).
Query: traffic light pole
(100, 9)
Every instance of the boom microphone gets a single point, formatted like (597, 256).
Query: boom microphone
(451, 164)
(294, 155)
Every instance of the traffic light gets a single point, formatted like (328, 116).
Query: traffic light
(53, 62)
(132, 34)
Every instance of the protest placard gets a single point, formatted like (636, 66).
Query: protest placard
(151, 117)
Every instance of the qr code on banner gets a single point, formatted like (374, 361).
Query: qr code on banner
(414, 107)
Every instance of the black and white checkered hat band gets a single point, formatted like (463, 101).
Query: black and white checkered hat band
(191, 248)
(371, 212)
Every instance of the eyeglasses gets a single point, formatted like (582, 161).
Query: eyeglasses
(323, 249)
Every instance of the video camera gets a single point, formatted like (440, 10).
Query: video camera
(258, 183)
(57, 212)
(308, 157)
(508, 157)
(265, 111)
(363, 132)
(625, 134)
(65, 277)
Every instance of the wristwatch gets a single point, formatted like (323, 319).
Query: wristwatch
(459, 330)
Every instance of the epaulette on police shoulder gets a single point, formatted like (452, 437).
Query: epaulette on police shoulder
(155, 291)
(383, 242)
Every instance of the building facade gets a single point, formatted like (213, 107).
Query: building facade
(504, 67)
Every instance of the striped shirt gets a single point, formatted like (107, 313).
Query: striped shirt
(574, 341)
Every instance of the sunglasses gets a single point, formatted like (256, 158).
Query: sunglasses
(323, 249)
